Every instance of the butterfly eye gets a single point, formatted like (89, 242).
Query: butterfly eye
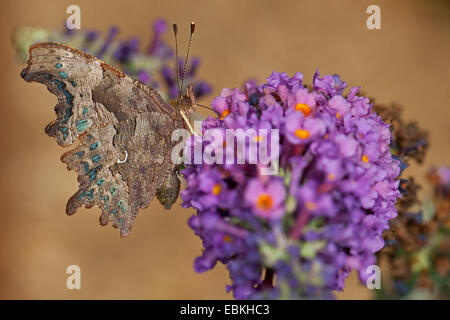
(124, 160)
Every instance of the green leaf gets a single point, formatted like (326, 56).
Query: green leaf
(428, 210)
(309, 249)
(291, 204)
(271, 255)
(314, 225)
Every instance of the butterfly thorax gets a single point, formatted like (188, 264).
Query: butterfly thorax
(186, 102)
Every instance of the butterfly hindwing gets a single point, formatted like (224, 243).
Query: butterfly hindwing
(98, 185)
(113, 117)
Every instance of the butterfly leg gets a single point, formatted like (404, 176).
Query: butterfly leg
(183, 115)
(180, 178)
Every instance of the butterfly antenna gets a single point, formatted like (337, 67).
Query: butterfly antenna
(206, 107)
(175, 33)
(187, 53)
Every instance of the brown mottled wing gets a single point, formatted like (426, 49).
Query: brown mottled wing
(111, 115)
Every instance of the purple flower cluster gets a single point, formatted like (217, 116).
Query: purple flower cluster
(152, 65)
(299, 233)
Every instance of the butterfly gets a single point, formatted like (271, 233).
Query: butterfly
(123, 158)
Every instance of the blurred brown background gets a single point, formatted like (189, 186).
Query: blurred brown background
(406, 62)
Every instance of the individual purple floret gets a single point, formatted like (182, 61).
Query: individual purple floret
(126, 49)
(113, 31)
(298, 233)
(157, 46)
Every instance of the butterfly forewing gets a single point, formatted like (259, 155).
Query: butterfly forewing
(111, 115)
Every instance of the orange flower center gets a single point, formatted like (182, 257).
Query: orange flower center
(264, 202)
(258, 138)
(216, 189)
(331, 177)
(224, 114)
(227, 238)
(338, 115)
(303, 108)
(302, 134)
(310, 205)
(365, 158)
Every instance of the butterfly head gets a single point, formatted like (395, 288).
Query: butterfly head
(186, 102)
